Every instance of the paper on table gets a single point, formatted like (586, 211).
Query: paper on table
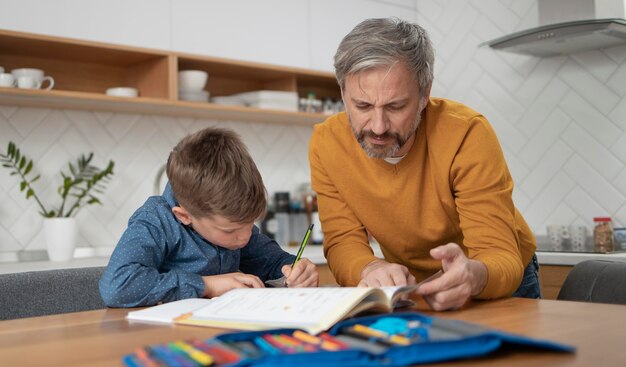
(167, 312)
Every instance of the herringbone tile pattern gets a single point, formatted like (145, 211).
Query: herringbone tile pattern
(139, 145)
(561, 120)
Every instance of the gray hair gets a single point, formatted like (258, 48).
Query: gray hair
(384, 42)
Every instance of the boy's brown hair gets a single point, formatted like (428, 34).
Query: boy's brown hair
(212, 173)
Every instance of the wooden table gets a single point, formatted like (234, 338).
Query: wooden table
(102, 337)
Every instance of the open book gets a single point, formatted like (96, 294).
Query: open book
(310, 309)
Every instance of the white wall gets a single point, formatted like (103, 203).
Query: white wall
(302, 33)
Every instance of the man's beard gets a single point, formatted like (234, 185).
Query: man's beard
(385, 151)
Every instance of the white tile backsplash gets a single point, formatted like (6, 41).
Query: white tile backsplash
(592, 152)
(544, 138)
(543, 172)
(593, 90)
(596, 186)
(547, 200)
(561, 122)
(542, 109)
(541, 76)
(594, 121)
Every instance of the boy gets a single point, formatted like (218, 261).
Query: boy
(198, 239)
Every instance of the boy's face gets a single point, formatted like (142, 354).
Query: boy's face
(217, 229)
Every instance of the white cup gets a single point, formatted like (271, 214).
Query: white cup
(557, 234)
(192, 80)
(7, 80)
(36, 74)
(28, 82)
(578, 235)
(128, 92)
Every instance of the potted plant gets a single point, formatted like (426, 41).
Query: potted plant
(78, 189)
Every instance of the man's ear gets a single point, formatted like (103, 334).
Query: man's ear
(427, 94)
(182, 214)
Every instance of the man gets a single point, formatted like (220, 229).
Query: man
(426, 177)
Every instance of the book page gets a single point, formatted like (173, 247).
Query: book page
(167, 312)
(295, 307)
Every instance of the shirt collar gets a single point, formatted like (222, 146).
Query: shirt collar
(168, 195)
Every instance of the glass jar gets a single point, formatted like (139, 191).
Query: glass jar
(603, 234)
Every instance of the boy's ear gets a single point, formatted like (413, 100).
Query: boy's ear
(182, 214)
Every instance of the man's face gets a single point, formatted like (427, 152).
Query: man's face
(384, 107)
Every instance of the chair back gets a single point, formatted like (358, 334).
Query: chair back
(597, 281)
(39, 293)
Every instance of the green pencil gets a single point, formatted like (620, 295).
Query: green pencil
(305, 240)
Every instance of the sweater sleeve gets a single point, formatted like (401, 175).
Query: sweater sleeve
(482, 187)
(346, 246)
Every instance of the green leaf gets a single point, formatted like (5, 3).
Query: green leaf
(23, 185)
(29, 193)
(11, 149)
(28, 167)
(22, 163)
(94, 200)
(35, 179)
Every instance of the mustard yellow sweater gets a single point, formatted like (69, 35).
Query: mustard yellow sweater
(452, 186)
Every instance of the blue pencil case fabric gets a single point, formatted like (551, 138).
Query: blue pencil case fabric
(406, 339)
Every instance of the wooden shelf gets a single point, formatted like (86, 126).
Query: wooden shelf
(84, 70)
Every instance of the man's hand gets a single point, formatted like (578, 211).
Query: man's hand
(380, 273)
(303, 274)
(216, 285)
(461, 279)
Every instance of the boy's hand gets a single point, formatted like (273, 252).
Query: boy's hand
(216, 285)
(304, 274)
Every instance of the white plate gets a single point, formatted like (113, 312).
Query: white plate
(122, 92)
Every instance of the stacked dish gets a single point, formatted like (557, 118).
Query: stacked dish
(191, 85)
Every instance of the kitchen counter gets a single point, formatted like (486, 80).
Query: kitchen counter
(314, 253)
(84, 258)
(573, 258)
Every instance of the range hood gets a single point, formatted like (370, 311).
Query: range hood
(564, 32)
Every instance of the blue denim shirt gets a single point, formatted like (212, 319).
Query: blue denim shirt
(158, 259)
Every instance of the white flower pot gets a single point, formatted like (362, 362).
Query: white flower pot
(60, 238)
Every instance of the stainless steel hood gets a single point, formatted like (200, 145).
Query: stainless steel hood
(569, 26)
(564, 38)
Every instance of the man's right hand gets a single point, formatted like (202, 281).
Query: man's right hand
(216, 285)
(380, 273)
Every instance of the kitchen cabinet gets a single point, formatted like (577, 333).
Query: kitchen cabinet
(326, 277)
(551, 278)
(83, 70)
(143, 23)
(269, 31)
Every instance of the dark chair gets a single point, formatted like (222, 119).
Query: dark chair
(39, 293)
(597, 281)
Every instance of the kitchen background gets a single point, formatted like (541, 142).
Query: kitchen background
(560, 120)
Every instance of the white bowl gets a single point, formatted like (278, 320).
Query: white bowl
(192, 95)
(122, 92)
(192, 80)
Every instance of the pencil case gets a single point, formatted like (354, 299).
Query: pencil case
(397, 339)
